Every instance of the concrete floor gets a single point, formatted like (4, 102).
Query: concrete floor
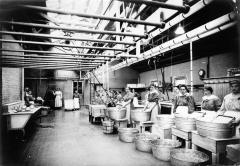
(75, 142)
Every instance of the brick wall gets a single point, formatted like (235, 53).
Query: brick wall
(11, 85)
(11, 77)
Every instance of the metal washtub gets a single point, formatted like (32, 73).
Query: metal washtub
(165, 121)
(161, 148)
(187, 123)
(127, 134)
(138, 115)
(116, 113)
(188, 157)
(143, 142)
(214, 129)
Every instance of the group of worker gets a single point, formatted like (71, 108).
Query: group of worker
(184, 101)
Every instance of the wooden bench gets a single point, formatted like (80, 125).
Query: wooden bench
(215, 146)
(185, 135)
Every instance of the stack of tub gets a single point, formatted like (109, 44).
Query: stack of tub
(163, 126)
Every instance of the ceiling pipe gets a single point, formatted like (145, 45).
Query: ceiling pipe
(44, 65)
(183, 9)
(54, 57)
(179, 40)
(142, 22)
(46, 62)
(60, 45)
(65, 38)
(73, 29)
(74, 54)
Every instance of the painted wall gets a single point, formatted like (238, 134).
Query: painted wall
(218, 67)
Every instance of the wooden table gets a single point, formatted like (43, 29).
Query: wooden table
(186, 135)
(96, 111)
(18, 120)
(216, 146)
(141, 126)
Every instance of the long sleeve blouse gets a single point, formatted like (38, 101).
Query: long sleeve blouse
(184, 100)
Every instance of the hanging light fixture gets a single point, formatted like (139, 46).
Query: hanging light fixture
(180, 30)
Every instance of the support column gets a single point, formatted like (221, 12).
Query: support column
(191, 68)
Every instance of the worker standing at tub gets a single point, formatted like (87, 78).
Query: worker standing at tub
(231, 104)
(152, 104)
(210, 102)
(128, 98)
(184, 102)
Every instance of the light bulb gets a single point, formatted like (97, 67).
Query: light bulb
(179, 30)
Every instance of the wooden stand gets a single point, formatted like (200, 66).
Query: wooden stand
(162, 133)
(216, 146)
(96, 111)
(186, 135)
(141, 126)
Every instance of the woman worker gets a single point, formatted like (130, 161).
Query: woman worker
(210, 102)
(152, 104)
(184, 101)
(128, 97)
(231, 104)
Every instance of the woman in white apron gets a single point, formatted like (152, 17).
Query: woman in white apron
(152, 104)
(76, 98)
(128, 97)
(58, 98)
(231, 104)
(184, 102)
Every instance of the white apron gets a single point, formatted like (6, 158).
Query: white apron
(154, 111)
(76, 103)
(128, 107)
(58, 99)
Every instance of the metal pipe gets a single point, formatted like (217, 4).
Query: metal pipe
(142, 22)
(44, 61)
(183, 9)
(191, 67)
(54, 57)
(216, 26)
(73, 29)
(74, 54)
(60, 45)
(65, 38)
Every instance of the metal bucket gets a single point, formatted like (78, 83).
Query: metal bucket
(138, 115)
(161, 148)
(214, 130)
(115, 113)
(127, 134)
(143, 141)
(188, 157)
(107, 127)
(165, 121)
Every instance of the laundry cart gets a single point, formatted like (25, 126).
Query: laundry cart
(68, 104)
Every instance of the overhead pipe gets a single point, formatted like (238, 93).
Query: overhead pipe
(179, 40)
(44, 64)
(65, 38)
(195, 8)
(183, 9)
(142, 22)
(60, 45)
(44, 61)
(54, 57)
(74, 54)
(200, 36)
(73, 29)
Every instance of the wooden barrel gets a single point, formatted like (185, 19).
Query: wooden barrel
(107, 127)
